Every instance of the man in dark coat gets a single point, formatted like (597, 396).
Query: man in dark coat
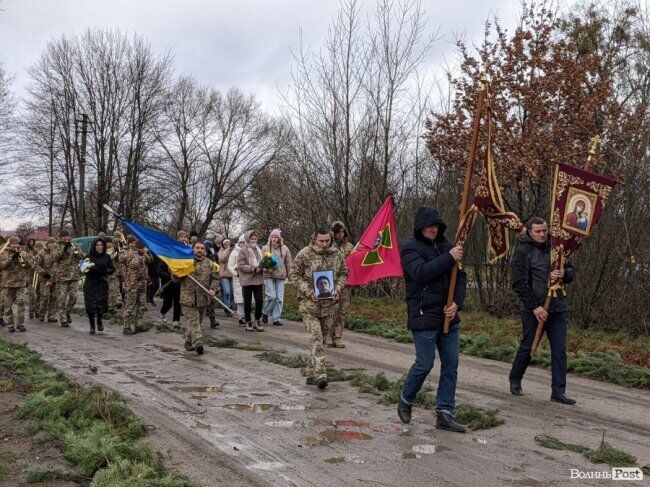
(531, 266)
(427, 260)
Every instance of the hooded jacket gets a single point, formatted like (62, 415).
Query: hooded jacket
(248, 259)
(427, 269)
(283, 254)
(531, 266)
(95, 283)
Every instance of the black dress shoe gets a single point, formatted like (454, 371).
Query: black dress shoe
(515, 388)
(404, 411)
(563, 399)
(447, 422)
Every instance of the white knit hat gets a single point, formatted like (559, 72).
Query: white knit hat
(242, 238)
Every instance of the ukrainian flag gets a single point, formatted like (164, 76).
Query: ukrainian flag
(178, 256)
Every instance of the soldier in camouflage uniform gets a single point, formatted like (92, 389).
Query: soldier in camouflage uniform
(30, 295)
(33, 283)
(194, 300)
(66, 273)
(340, 236)
(44, 267)
(135, 260)
(317, 314)
(13, 263)
(114, 293)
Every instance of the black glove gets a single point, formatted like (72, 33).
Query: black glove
(47, 276)
(15, 256)
(66, 246)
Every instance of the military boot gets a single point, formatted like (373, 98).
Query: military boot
(11, 329)
(328, 342)
(68, 319)
(31, 315)
(21, 328)
(64, 323)
(188, 345)
(41, 318)
(213, 322)
(128, 331)
(337, 343)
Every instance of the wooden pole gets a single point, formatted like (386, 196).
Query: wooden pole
(468, 182)
(595, 140)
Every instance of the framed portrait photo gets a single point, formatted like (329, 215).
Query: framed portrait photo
(324, 284)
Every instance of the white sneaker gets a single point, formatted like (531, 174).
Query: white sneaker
(176, 323)
(163, 318)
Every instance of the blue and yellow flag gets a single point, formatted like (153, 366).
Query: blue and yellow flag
(178, 256)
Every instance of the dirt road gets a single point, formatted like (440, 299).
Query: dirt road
(227, 418)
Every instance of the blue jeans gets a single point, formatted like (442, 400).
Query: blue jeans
(226, 291)
(448, 346)
(274, 299)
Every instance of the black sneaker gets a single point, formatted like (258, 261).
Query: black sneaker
(515, 388)
(242, 321)
(322, 384)
(311, 381)
(562, 398)
(199, 349)
(213, 323)
(277, 323)
(265, 319)
(68, 318)
(447, 422)
(100, 327)
(249, 326)
(404, 411)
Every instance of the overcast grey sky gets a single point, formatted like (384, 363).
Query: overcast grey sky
(222, 43)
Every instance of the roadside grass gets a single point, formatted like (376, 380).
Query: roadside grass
(7, 459)
(473, 417)
(605, 453)
(44, 474)
(611, 357)
(95, 429)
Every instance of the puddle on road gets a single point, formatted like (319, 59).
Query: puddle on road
(335, 460)
(191, 389)
(410, 455)
(264, 407)
(202, 426)
(428, 449)
(527, 482)
(342, 436)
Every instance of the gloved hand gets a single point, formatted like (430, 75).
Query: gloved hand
(47, 276)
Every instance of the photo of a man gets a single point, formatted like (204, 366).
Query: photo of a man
(324, 284)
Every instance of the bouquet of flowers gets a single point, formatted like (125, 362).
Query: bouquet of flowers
(270, 262)
(85, 265)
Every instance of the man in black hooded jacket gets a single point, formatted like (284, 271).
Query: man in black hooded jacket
(531, 266)
(427, 260)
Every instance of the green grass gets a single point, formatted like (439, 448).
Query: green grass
(43, 474)
(96, 431)
(610, 357)
(473, 417)
(605, 453)
(7, 459)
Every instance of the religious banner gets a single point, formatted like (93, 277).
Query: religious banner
(579, 197)
(376, 256)
(489, 201)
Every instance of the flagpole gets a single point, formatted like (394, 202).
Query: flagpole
(547, 304)
(468, 182)
(208, 291)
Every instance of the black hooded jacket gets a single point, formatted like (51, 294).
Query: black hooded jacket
(427, 269)
(95, 283)
(531, 266)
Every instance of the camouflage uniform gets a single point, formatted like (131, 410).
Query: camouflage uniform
(135, 285)
(66, 274)
(342, 307)
(194, 300)
(317, 316)
(13, 287)
(114, 293)
(31, 294)
(44, 266)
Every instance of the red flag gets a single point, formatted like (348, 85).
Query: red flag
(377, 254)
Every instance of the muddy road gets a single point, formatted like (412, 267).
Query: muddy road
(228, 418)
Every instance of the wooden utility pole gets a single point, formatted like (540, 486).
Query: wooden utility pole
(466, 189)
(81, 213)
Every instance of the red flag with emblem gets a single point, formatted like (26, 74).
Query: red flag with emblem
(376, 256)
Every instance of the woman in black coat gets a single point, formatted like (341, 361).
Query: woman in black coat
(96, 285)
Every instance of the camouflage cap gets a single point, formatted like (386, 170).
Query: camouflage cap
(131, 238)
(118, 234)
(39, 244)
(64, 233)
(51, 240)
(101, 235)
